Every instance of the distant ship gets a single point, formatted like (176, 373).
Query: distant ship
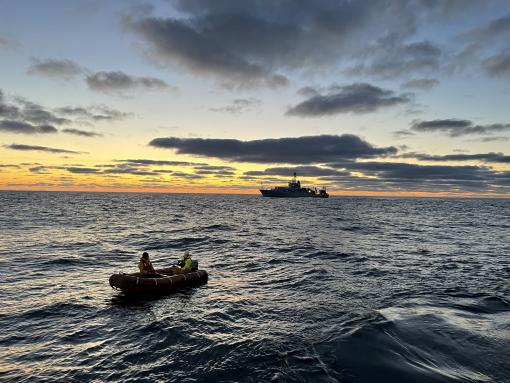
(294, 190)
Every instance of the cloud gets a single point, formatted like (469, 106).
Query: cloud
(296, 150)
(39, 149)
(237, 106)
(93, 113)
(397, 170)
(489, 38)
(302, 171)
(66, 69)
(144, 162)
(20, 127)
(81, 170)
(421, 84)
(9, 111)
(22, 110)
(214, 167)
(83, 133)
(7, 42)
(76, 169)
(22, 116)
(219, 173)
(42, 169)
(36, 113)
(493, 139)
(496, 29)
(111, 82)
(139, 168)
(402, 134)
(132, 167)
(253, 43)
(308, 91)
(263, 43)
(498, 65)
(128, 170)
(201, 45)
(188, 176)
(389, 58)
(408, 177)
(26, 111)
(485, 157)
(456, 127)
(216, 170)
(355, 98)
(395, 176)
(120, 83)
(102, 170)
(470, 53)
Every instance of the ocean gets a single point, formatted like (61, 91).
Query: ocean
(300, 290)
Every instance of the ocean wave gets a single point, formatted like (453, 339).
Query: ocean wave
(60, 261)
(342, 290)
(56, 309)
(178, 243)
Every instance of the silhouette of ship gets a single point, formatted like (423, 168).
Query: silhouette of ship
(294, 190)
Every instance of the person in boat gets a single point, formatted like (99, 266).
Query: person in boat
(145, 264)
(185, 264)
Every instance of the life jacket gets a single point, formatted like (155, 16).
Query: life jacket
(187, 264)
(145, 266)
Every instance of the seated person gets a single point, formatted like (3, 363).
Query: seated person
(145, 265)
(185, 264)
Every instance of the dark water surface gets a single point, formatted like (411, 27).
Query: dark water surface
(302, 290)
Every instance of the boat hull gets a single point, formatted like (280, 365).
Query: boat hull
(138, 284)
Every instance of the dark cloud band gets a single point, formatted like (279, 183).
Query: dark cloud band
(20, 127)
(484, 157)
(303, 171)
(82, 133)
(145, 162)
(298, 150)
(457, 127)
(93, 113)
(355, 98)
(55, 68)
(25, 117)
(23, 147)
(119, 82)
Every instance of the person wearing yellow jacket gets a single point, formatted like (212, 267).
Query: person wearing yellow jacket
(145, 264)
(185, 264)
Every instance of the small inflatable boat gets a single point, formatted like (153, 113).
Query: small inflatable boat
(161, 283)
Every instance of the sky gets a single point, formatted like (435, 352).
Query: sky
(382, 97)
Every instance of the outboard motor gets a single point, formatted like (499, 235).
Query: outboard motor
(194, 265)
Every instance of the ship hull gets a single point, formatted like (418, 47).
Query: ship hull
(289, 194)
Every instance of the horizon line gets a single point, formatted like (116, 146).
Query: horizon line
(375, 194)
